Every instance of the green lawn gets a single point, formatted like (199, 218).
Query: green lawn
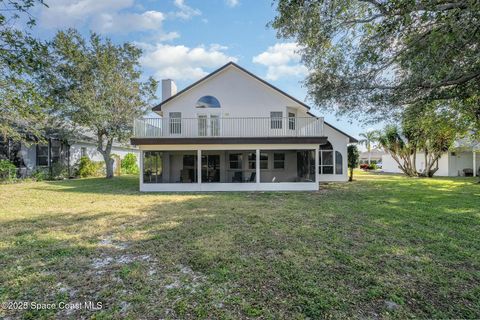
(381, 247)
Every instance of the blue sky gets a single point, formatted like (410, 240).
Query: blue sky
(186, 39)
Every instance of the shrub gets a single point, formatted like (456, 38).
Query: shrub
(353, 158)
(129, 164)
(40, 174)
(8, 171)
(366, 166)
(87, 168)
(59, 171)
(100, 169)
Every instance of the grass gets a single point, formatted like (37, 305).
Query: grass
(383, 246)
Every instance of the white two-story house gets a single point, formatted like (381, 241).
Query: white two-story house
(232, 131)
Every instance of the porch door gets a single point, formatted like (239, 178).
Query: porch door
(292, 123)
(214, 125)
(211, 168)
(208, 125)
(202, 125)
(189, 172)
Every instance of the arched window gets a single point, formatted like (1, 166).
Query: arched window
(338, 163)
(208, 102)
(326, 158)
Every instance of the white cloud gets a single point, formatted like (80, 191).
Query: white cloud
(111, 16)
(63, 13)
(167, 36)
(185, 12)
(123, 23)
(181, 62)
(232, 3)
(281, 59)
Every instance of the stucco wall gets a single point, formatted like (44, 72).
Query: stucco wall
(462, 160)
(390, 165)
(239, 94)
(339, 142)
(93, 154)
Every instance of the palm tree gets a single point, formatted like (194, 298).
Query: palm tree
(369, 138)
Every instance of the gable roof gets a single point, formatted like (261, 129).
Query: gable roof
(231, 63)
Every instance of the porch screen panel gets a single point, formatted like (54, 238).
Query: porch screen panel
(152, 167)
(42, 155)
(170, 166)
(240, 166)
(338, 163)
(326, 159)
(289, 166)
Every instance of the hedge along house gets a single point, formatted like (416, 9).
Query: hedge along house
(55, 149)
(232, 131)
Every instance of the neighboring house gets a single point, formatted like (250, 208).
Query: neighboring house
(41, 156)
(374, 154)
(462, 160)
(231, 131)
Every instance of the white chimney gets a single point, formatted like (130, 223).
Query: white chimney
(169, 89)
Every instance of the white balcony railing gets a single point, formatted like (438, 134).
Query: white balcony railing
(227, 127)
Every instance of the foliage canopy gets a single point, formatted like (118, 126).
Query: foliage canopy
(372, 57)
(99, 86)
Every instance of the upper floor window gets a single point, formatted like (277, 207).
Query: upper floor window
(276, 120)
(208, 102)
(175, 122)
(291, 121)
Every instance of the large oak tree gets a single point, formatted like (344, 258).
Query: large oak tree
(99, 86)
(376, 57)
(22, 106)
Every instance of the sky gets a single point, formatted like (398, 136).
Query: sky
(185, 40)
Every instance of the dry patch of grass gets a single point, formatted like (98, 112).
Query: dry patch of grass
(382, 246)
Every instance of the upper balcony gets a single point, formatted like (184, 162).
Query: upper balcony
(215, 126)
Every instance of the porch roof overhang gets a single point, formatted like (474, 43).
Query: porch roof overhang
(229, 140)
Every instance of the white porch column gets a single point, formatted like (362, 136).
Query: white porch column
(474, 163)
(317, 165)
(199, 166)
(141, 167)
(257, 166)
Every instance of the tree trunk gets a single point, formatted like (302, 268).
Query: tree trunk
(108, 165)
(350, 178)
(106, 155)
(414, 165)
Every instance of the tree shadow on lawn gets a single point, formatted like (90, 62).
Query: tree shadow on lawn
(118, 185)
(281, 255)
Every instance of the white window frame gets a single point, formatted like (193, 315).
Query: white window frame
(175, 123)
(279, 161)
(276, 118)
(209, 129)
